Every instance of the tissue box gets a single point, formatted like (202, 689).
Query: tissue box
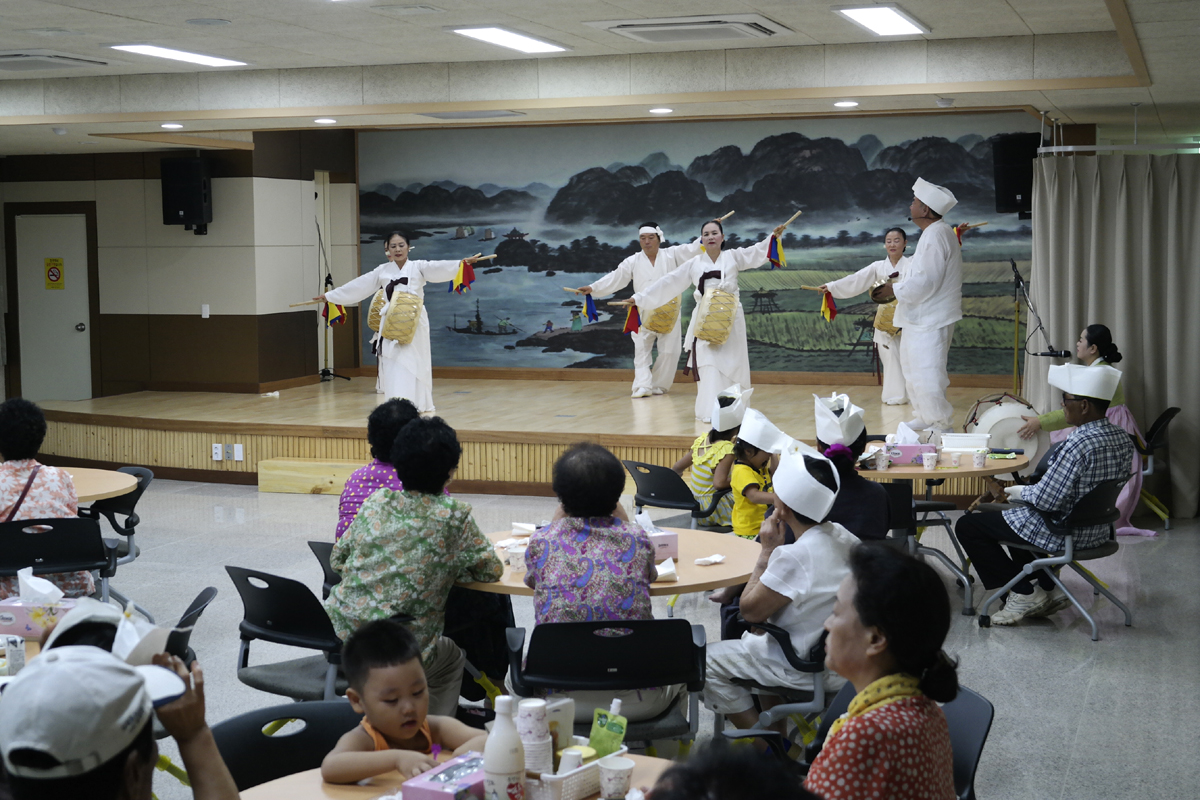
(458, 779)
(909, 453)
(23, 618)
(666, 545)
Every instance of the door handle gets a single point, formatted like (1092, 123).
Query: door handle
(80, 327)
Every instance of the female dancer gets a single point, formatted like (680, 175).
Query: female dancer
(405, 370)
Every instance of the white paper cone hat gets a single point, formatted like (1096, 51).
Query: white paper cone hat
(729, 417)
(797, 489)
(759, 431)
(939, 198)
(1098, 381)
(834, 427)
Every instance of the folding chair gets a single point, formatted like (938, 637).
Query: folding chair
(123, 505)
(60, 544)
(662, 487)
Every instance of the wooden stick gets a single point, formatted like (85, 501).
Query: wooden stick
(621, 303)
(727, 216)
(572, 291)
(792, 219)
(811, 288)
(305, 303)
(485, 258)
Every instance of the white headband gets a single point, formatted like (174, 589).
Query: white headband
(648, 229)
(758, 431)
(795, 486)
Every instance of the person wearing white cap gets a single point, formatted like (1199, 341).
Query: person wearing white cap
(930, 302)
(644, 268)
(76, 723)
(862, 506)
(711, 457)
(1096, 451)
(793, 586)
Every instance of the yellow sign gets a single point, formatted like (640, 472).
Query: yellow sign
(54, 274)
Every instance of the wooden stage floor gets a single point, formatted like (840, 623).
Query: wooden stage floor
(511, 430)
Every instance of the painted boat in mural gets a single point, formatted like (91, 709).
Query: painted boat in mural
(476, 326)
(463, 231)
(488, 235)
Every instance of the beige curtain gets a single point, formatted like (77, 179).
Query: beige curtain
(1116, 240)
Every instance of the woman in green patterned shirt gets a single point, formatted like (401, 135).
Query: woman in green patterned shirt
(406, 549)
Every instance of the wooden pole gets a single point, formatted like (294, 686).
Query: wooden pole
(727, 216)
(792, 219)
(305, 303)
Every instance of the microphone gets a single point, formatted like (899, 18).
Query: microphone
(1055, 354)
(1016, 272)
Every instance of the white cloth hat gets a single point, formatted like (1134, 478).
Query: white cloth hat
(135, 642)
(757, 430)
(938, 198)
(1098, 381)
(835, 428)
(797, 489)
(86, 610)
(81, 706)
(729, 417)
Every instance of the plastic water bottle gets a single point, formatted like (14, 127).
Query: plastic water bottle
(504, 756)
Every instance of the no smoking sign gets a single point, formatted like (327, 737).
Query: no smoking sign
(54, 274)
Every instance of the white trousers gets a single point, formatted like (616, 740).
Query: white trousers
(712, 381)
(888, 347)
(662, 374)
(923, 357)
(396, 380)
(728, 660)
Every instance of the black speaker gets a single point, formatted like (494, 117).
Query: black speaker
(1012, 165)
(187, 193)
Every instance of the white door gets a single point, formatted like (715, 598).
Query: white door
(52, 301)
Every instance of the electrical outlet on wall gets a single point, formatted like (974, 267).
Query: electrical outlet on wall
(229, 452)
(239, 453)
(218, 452)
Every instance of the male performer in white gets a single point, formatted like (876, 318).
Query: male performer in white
(930, 303)
(644, 268)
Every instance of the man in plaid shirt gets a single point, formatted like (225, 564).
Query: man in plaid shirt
(1096, 451)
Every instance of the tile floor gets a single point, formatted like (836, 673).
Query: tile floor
(1074, 718)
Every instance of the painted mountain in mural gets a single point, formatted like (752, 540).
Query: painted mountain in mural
(435, 201)
(622, 198)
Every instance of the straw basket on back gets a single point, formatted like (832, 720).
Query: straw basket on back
(662, 319)
(714, 315)
(400, 322)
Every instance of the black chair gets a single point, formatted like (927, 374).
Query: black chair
(969, 717)
(662, 487)
(178, 640)
(323, 551)
(616, 654)
(796, 701)
(61, 544)
(1156, 438)
(1097, 507)
(254, 756)
(123, 505)
(904, 521)
(285, 611)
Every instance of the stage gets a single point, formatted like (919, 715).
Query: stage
(511, 430)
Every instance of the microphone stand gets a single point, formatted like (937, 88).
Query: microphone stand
(1021, 289)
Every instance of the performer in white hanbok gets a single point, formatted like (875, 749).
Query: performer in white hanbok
(887, 334)
(716, 365)
(644, 268)
(405, 370)
(930, 303)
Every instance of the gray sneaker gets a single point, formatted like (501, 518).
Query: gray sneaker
(1020, 606)
(1056, 600)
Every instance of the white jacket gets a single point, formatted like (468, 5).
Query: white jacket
(931, 293)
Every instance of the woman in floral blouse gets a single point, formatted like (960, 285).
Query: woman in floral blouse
(406, 549)
(51, 491)
(382, 426)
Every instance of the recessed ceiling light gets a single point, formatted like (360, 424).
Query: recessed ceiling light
(662, 110)
(325, 121)
(509, 39)
(882, 20)
(178, 55)
(207, 21)
(846, 104)
(171, 126)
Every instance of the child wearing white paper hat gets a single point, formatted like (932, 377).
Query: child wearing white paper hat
(756, 452)
(861, 506)
(711, 458)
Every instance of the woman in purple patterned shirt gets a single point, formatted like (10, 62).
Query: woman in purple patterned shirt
(382, 426)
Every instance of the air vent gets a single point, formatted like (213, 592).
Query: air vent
(27, 60)
(683, 30)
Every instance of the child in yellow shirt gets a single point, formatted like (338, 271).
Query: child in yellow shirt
(751, 482)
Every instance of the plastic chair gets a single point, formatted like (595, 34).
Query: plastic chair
(796, 701)
(285, 611)
(123, 505)
(612, 654)
(61, 544)
(1156, 438)
(903, 519)
(1097, 507)
(324, 551)
(254, 756)
(661, 487)
(969, 717)
(177, 642)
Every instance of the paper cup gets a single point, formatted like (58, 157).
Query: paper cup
(979, 459)
(516, 557)
(569, 759)
(929, 460)
(532, 723)
(616, 777)
(956, 459)
(539, 755)
(881, 459)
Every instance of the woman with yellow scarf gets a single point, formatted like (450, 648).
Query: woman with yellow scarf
(886, 632)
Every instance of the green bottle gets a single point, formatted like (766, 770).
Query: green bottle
(608, 730)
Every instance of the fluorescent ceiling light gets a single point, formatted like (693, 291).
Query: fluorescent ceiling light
(882, 20)
(661, 110)
(325, 121)
(178, 55)
(514, 41)
(846, 104)
(173, 126)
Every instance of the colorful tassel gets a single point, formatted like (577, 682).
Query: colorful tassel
(828, 307)
(464, 278)
(589, 308)
(334, 314)
(775, 253)
(633, 322)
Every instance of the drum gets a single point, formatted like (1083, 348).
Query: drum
(714, 315)
(403, 313)
(1000, 415)
(885, 318)
(662, 319)
(377, 304)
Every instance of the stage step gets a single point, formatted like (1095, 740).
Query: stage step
(305, 475)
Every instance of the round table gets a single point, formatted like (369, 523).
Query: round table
(308, 785)
(995, 466)
(98, 484)
(740, 557)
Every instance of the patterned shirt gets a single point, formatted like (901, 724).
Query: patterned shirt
(362, 484)
(401, 555)
(1096, 451)
(583, 569)
(51, 495)
(900, 751)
